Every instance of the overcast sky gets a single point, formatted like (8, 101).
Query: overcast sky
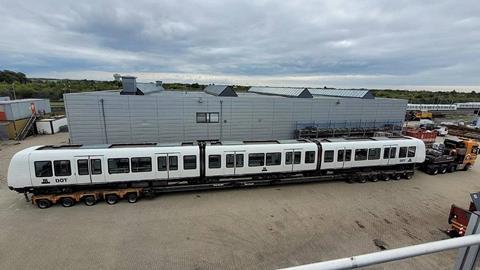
(375, 44)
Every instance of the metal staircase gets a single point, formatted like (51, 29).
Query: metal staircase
(28, 127)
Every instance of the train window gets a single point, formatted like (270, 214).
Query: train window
(411, 151)
(239, 160)
(274, 159)
(189, 162)
(214, 161)
(118, 165)
(62, 167)
(361, 154)
(288, 158)
(172, 163)
(386, 152)
(328, 156)
(310, 157)
(82, 166)
(393, 152)
(373, 153)
(341, 153)
(230, 160)
(141, 164)
(96, 166)
(403, 152)
(43, 169)
(162, 163)
(297, 157)
(348, 155)
(256, 159)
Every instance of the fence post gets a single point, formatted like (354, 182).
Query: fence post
(467, 256)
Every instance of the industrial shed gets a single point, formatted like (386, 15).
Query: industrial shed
(14, 114)
(172, 116)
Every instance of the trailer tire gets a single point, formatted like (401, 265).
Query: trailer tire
(443, 169)
(67, 202)
(386, 177)
(397, 177)
(44, 203)
(89, 200)
(374, 178)
(432, 170)
(452, 168)
(111, 199)
(467, 167)
(408, 176)
(132, 197)
(362, 179)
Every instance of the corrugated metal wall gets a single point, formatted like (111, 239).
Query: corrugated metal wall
(172, 117)
(19, 109)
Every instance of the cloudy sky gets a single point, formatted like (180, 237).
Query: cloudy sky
(431, 44)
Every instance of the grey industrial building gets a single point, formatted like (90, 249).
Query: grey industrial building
(218, 113)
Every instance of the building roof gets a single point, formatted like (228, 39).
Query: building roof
(220, 90)
(281, 91)
(148, 88)
(20, 100)
(346, 93)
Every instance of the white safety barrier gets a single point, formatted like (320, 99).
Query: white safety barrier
(392, 255)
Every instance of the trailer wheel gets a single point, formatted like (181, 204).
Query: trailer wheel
(443, 170)
(467, 167)
(452, 168)
(111, 199)
(132, 197)
(89, 200)
(408, 176)
(374, 178)
(386, 177)
(433, 170)
(397, 177)
(43, 203)
(67, 202)
(362, 179)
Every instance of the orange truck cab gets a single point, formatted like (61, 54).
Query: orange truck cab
(465, 150)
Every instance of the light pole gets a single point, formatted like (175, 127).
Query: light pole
(13, 88)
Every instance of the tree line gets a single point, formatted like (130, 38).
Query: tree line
(54, 89)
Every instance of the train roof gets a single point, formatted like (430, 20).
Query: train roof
(180, 144)
(368, 139)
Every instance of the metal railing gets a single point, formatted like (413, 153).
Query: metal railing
(466, 259)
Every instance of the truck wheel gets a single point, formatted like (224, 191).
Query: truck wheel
(452, 168)
(408, 176)
(89, 200)
(433, 170)
(132, 197)
(386, 177)
(67, 202)
(443, 170)
(374, 178)
(467, 167)
(397, 177)
(111, 199)
(43, 203)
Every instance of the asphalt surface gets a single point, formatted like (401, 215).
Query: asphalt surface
(254, 228)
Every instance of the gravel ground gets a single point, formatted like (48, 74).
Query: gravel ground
(255, 228)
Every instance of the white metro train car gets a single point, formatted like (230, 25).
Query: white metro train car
(66, 168)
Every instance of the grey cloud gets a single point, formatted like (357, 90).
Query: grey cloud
(368, 43)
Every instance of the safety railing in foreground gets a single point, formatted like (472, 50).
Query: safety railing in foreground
(466, 259)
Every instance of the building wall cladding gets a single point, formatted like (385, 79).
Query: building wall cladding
(171, 117)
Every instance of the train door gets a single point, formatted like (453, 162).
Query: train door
(390, 153)
(90, 169)
(344, 156)
(233, 161)
(168, 166)
(293, 158)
